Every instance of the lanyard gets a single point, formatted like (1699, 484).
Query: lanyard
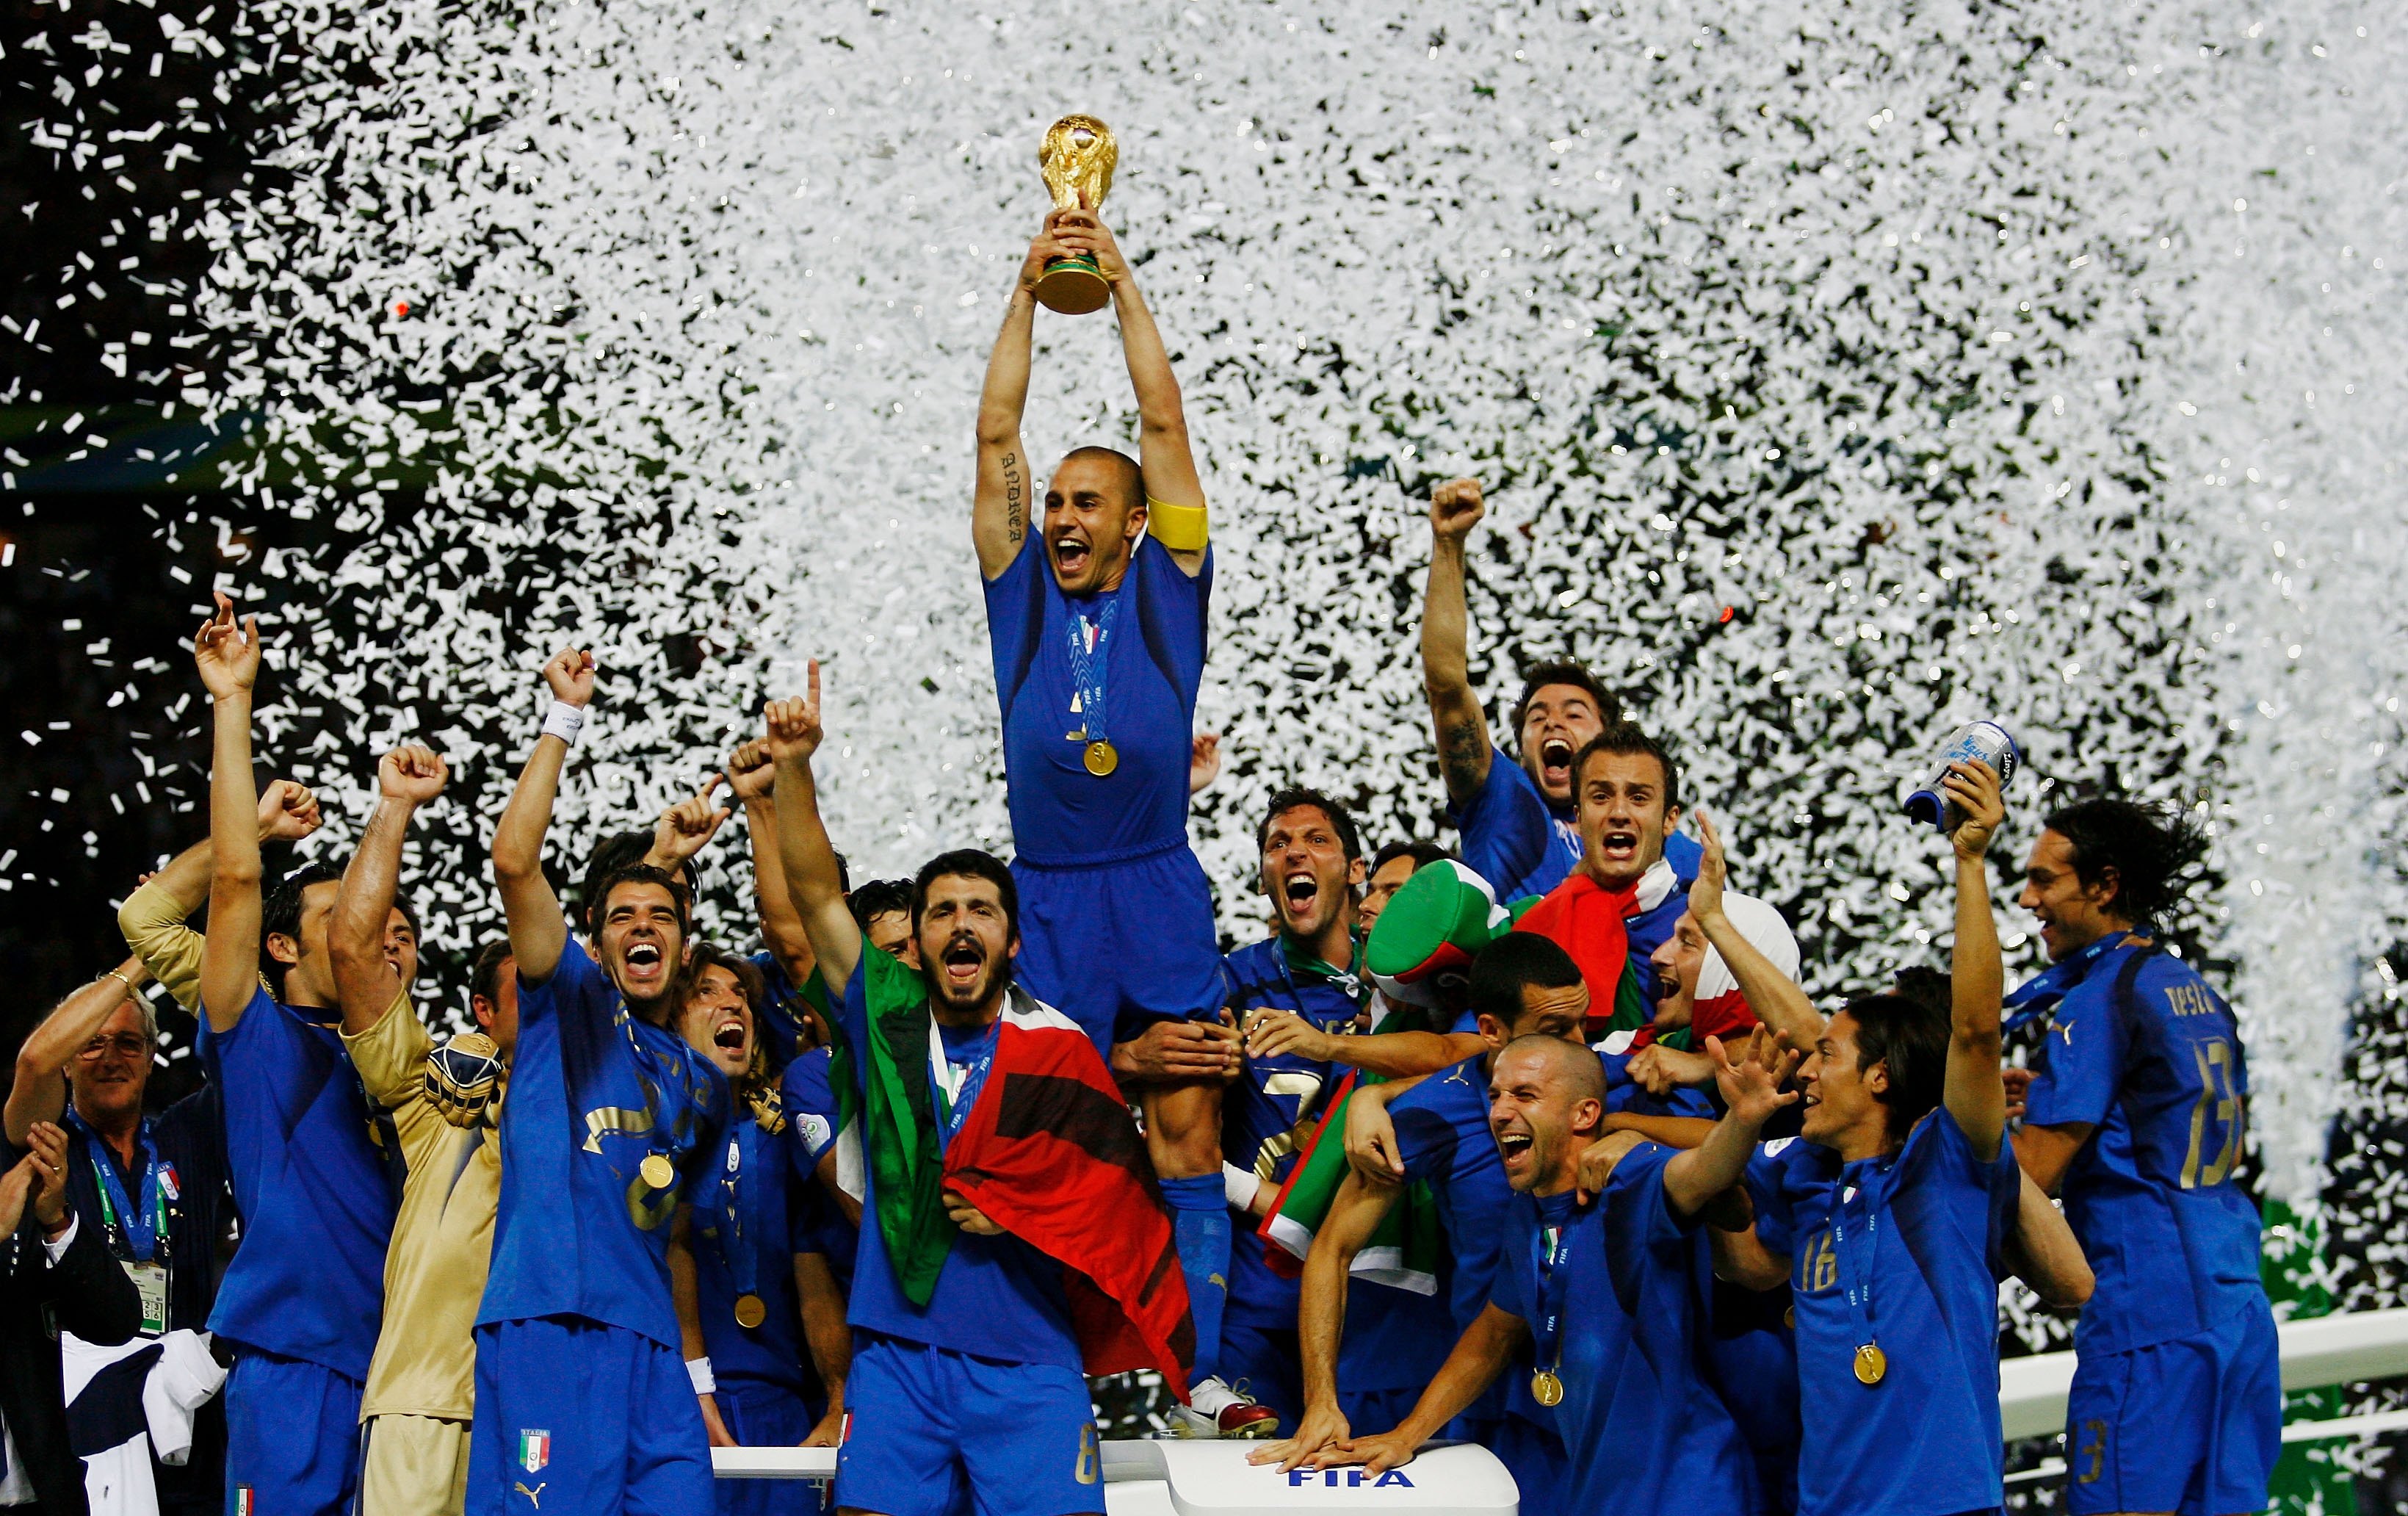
(1087, 667)
(145, 1226)
(740, 1208)
(955, 1085)
(1551, 1250)
(1856, 1260)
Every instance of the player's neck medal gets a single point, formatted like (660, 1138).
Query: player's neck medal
(657, 1171)
(749, 1312)
(1102, 758)
(1546, 1388)
(1872, 1365)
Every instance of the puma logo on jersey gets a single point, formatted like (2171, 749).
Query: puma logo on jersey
(2064, 1029)
(534, 1496)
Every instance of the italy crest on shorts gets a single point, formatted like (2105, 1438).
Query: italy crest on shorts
(534, 1449)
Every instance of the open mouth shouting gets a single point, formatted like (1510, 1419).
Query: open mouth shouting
(1300, 893)
(731, 1034)
(962, 961)
(1618, 846)
(1556, 764)
(1515, 1144)
(646, 967)
(1072, 553)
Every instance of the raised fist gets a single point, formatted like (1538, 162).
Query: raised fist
(1455, 508)
(570, 674)
(411, 773)
(750, 770)
(288, 812)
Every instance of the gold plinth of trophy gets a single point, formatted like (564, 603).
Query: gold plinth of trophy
(1076, 158)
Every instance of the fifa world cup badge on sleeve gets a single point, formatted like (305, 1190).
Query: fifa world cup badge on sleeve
(1983, 742)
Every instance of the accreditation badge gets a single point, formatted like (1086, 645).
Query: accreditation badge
(150, 1284)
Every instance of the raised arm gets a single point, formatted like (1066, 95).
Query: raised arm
(1751, 1093)
(1463, 748)
(1972, 1088)
(366, 982)
(153, 919)
(1174, 488)
(39, 1091)
(227, 656)
(750, 775)
(812, 877)
(1007, 488)
(530, 910)
(1772, 995)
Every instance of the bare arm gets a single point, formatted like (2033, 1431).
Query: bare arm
(1392, 1055)
(828, 1336)
(685, 1295)
(228, 659)
(813, 878)
(750, 774)
(1742, 1258)
(1772, 995)
(1972, 1088)
(2047, 1152)
(1464, 752)
(39, 1091)
(2043, 1252)
(153, 919)
(1004, 500)
(539, 931)
(1355, 1213)
(365, 981)
(1481, 1354)
(1671, 1131)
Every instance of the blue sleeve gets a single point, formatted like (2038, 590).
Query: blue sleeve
(1684, 853)
(1504, 826)
(1642, 1235)
(852, 1018)
(580, 992)
(810, 1107)
(2082, 1056)
(1426, 1139)
(1507, 1290)
(1015, 616)
(1181, 606)
(1774, 1226)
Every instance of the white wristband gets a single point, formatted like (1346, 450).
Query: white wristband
(698, 1370)
(1241, 1185)
(564, 721)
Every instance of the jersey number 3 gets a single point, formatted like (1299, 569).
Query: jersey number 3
(2216, 1124)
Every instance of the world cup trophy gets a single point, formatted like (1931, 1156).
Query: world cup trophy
(1077, 159)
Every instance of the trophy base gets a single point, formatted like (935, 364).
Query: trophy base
(1073, 287)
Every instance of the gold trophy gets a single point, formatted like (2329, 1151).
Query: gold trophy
(1077, 159)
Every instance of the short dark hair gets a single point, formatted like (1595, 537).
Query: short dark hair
(1296, 795)
(610, 857)
(971, 862)
(1516, 961)
(1133, 473)
(1565, 671)
(879, 896)
(1423, 853)
(1624, 739)
(640, 873)
(2150, 848)
(485, 978)
(281, 915)
(707, 955)
(1904, 1029)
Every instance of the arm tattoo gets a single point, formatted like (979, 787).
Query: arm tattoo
(1460, 751)
(1015, 513)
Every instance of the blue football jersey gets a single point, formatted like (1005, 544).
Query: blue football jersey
(1917, 1246)
(1645, 1430)
(2139, 1046)
(1523, 845)
(744, 1244)
(1151, 663)
(311, 1183)
(595, 1092)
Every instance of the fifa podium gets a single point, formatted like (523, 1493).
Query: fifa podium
(1178, 1478)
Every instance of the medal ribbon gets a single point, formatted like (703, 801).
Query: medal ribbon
(1856, 1262)
(145, 1225)
(954, 1086)
(1550, 1250)
(1087, 667)
(739, 1210)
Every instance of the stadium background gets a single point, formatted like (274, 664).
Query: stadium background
(1839, 372)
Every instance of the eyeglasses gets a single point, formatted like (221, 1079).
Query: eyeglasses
(125, 1043)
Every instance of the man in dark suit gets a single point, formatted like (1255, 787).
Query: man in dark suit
(52, 1269)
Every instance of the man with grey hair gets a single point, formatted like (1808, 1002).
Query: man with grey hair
(153, 1186)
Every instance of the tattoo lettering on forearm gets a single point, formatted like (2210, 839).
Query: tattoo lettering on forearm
(1015, 509)
(1459, 753)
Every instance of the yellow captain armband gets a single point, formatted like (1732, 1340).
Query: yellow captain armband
(1181, 528)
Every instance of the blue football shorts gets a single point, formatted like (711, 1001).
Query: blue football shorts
(931, 1432)
(2193, 1426)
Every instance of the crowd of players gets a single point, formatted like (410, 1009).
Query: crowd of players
(1590, 1180)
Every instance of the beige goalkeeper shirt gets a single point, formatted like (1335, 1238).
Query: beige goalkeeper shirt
(425, 1362)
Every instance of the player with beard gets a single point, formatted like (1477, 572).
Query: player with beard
(1521, 986)
(314, 1177)
(1097, 624)
(1597, 1291)
(2137, 1115)
(978, 1384)
(1896, 1215)
(1519, 822)
(1625, 898)
(582, 1399)
(736, 1298)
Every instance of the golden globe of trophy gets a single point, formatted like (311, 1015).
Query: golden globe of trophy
(1076, 159)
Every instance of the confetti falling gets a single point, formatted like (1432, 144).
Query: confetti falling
(1838, 374)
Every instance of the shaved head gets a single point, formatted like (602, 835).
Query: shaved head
(1566, 1068)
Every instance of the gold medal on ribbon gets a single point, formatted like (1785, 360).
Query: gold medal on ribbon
(1102, 758)
(1872, 1363)
(749, 1312)
(1546, 1388)
(657, 1171)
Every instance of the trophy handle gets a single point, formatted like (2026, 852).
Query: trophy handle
(1073, 285)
